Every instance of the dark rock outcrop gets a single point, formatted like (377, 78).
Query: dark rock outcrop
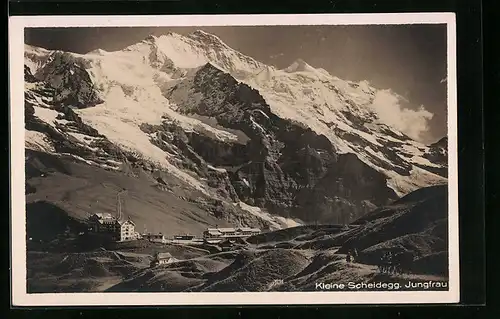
(75, 121)
(28, 76)
(438, 154)
(171, 138)
(70, 80)
(347, 190)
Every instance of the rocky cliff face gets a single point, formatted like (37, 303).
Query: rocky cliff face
(71, 82)
(284, 167)
(28, 76)
(59, 129)
(438, 153)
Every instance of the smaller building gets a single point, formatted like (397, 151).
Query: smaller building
(156, 238)
(241, 232)
(231, 243)
(226, 245)
(127, 230)
(107, 224)
(161, 259)
(184, 237)
(212, 233)
(100, 223)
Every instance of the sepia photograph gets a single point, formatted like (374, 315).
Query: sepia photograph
(308, 160)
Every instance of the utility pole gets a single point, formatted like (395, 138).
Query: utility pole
(119, 204)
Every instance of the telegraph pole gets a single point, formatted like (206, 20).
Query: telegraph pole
(120, 204)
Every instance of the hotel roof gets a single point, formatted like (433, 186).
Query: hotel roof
(163, 255)
(104, 216)
(232, 229)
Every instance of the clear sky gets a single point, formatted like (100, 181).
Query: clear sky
(408, 59)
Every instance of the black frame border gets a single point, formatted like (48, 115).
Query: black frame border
(470, 122)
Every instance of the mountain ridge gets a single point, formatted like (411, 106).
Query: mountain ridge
(163, 100)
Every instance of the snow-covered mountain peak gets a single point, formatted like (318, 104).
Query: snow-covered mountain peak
(192, 51)
(34, 49)
(35, 57)
(98, 52)
(165, 74)
(304, 69)
(299, 65)
(207, 38)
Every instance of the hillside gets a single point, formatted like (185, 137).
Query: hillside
(69, 188)
(292, 259)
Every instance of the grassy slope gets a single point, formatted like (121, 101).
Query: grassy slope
(80, 189)
(79, 272)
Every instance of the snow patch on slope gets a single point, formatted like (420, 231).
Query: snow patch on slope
(46, 115)
(299, 65)
(418, 178)
(275, 222)
(126, 133)
(35, 57)
(38, 141)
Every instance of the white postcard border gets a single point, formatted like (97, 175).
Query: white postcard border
(20, 297)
